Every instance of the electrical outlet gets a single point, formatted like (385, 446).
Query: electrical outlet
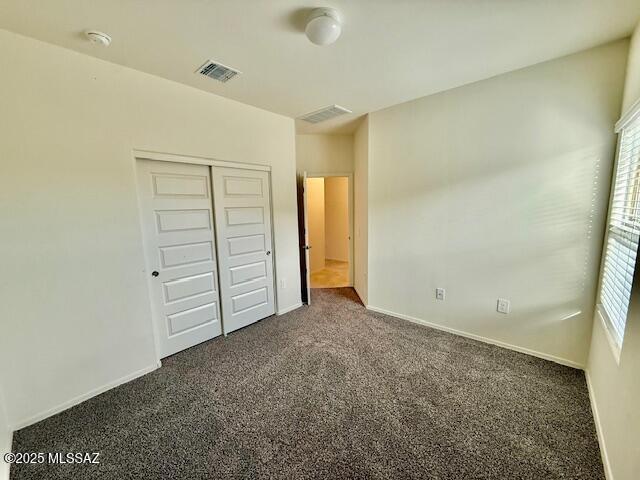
(504, 305)
(440, 293)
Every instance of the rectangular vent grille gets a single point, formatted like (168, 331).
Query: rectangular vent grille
(217, 71)
(324, 114)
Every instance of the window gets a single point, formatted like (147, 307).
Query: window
(623, 231)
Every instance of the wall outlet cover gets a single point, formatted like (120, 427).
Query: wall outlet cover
(440, 293)
(504, 305)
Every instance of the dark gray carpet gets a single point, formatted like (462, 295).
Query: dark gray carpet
(332, 391)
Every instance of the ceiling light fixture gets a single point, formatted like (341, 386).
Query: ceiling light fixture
(324, 26)
(99, 38)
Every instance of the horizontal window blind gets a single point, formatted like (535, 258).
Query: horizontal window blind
(623, 232)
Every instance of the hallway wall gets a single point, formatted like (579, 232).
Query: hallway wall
(336, 218)
(316, 222)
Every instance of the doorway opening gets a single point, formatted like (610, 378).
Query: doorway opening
(329, 231)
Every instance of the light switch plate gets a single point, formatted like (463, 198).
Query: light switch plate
(440, 293)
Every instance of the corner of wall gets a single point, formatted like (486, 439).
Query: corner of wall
(361, 153)
(632, 79)
(614, 416)
(599, 429)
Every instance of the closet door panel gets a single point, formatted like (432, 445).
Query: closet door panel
(243, 232)
(176, 210)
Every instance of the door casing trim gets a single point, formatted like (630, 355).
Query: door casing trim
(351, 215)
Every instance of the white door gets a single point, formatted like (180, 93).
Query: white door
(176, 209)
(307, 259)
(243, 231)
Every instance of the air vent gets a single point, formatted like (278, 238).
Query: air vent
(217, 71)
(325, 113)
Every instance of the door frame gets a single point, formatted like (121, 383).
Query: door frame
(210, 162)
(350, 209)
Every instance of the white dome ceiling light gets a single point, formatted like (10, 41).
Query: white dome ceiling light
(99, 38)
(324, 26)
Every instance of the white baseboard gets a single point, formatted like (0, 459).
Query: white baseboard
(545, 356)
(596, 418)
(81, 398)
(293, 307)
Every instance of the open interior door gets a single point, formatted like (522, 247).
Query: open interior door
(303, 235)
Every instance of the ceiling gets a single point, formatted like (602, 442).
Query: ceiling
(391, 51)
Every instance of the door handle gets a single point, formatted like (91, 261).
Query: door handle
(307, 247)
(155, 273)
(268, 252)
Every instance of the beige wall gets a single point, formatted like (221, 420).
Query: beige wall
(336, 218)
(316, 222)
(324, 153)
(361, 208)
(632, 82)
(615, 388)
(5, 439)
(75, 309)
(498, 189)
(615, 394)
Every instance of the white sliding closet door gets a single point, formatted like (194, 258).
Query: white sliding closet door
(243, 231)
(176, 209)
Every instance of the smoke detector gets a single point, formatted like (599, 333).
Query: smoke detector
(99, 38)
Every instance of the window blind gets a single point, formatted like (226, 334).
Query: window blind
(623, 233)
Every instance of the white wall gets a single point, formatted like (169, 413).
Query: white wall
(615, 394)
(316, 222)
(632, 82)
(361, 208)
(74, 302)
(324, 153)
(5, 439)
(336, 218)
(615, 389)
(498, 189)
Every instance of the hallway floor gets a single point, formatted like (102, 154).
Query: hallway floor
(335, 274)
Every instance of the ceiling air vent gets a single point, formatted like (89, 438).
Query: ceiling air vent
(325, 113)
(217, 71)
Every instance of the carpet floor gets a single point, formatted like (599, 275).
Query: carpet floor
(331, 391)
